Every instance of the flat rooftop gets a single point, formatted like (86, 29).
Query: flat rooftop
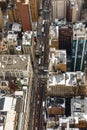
(27, 37)
(7, 113)
(57, 59)
(18, 62)
(67, 79)
(4, 103)
(56, 79)
(10, 120)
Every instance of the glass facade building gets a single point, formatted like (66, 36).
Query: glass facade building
(79, 48)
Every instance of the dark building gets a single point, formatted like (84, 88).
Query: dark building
(65, 37)
(25, 15)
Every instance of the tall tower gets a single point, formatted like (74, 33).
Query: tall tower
(79, 47)
(25, 15)
(65, 37)
(59, 9)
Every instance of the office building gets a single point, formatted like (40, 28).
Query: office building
(79, 47)
(28, 44)
(25, 15)
(16, 74)
(65, 38)
(59, 9)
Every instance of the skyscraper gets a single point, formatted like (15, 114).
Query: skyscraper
(79, 45)
(59, 9)
(25, 15)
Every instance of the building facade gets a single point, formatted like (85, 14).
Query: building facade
(25, 15)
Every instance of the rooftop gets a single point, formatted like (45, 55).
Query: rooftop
(57, 60)
(16, 27)
(7, 113)
(12, 36)
(56, 79)
(53, 33)
(67, 79)
(26, 39)
(14, 62)
(4, 101)
(10, 120)
(79, 108)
